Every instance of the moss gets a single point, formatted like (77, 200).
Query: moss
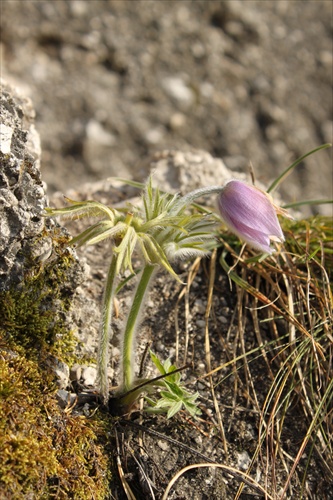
(33, 316)
(45, 452)
(25, 442)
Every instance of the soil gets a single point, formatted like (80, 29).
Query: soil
(152, 449)
(112, 83)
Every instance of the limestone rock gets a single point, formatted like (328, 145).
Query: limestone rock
(27, 238)
(22, 193)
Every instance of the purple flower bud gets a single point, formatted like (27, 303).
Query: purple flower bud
(250, 214)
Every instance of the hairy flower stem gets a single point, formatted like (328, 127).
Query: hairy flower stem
(105, 330)
(130, 329)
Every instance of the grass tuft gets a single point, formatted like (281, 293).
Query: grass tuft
(290, 294)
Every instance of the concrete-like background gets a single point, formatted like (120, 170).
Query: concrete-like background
(114, 81)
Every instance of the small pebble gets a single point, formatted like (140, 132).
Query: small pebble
(89, 375)
(65, 398)
(163, 445)
(200, 306)
(75, 373)
(160, 347)
(62, 373)
(243, 460)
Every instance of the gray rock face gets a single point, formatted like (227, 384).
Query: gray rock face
(22, 194)
(27, 238)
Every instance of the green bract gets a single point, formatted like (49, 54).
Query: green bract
(162, 231)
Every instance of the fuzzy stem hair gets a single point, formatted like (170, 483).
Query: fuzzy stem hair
(105, 330)
(130, 328)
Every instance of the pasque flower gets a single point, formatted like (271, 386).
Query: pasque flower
(251, 214)
(163, 230)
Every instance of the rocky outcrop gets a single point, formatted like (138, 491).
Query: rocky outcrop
(22, 193)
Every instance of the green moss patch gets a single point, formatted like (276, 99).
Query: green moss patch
(45, 452)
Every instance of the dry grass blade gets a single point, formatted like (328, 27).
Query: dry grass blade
(308, 436)
(185, 293)
(128, 492)
(284, 312)
(143, 474)
(296, 345)
(229, 470)
(207, 346)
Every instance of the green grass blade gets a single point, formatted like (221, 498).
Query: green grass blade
(308, 202)
(286, 172)
(138, 185)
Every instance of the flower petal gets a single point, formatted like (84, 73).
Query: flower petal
(250, 214)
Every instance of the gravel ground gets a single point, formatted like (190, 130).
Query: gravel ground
(115, 81)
